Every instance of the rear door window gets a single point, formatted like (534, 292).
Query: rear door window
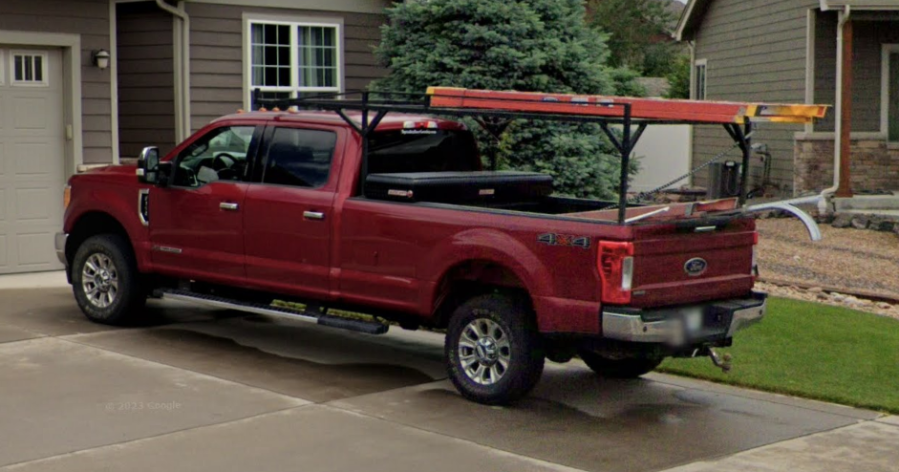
(299, 157)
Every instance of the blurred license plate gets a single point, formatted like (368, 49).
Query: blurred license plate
(693, 319)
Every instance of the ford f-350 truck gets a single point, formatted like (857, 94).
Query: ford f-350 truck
(379, 207)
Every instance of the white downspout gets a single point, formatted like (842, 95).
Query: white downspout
(182, 80)
(838, 112)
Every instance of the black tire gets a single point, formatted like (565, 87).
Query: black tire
(512, 333)
(107, 259)
(626, 368)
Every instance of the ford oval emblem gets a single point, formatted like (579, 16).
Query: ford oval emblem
(696, 267)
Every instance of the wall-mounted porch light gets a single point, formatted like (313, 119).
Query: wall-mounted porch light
(100, 58)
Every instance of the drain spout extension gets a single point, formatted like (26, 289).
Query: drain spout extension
(721, 362)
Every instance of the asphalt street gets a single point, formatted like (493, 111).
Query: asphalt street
(220, 390)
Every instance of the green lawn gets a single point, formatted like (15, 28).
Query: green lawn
(813, 351)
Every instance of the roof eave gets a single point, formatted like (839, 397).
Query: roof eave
(688, 19)
(859, 4)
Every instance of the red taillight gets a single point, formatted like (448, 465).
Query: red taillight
(616, 270)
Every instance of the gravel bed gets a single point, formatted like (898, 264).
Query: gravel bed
(851, 260)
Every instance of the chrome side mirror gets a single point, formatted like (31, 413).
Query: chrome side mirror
(148, 166)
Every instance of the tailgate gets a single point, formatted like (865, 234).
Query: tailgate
(674, 266)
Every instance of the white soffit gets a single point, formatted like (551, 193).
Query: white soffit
(356, 6)
(860, 4)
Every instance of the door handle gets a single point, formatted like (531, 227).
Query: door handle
(313, 215)
(228, 206)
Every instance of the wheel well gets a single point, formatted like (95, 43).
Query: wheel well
(472, 278)
(92, 224)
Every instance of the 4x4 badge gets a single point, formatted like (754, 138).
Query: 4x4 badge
(696, 267)
(564, 240)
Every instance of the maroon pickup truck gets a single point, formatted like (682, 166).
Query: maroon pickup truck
(393, 217)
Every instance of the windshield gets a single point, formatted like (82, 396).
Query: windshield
(422, 150)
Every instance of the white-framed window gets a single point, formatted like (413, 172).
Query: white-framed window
(28, 68)
(289, 58)
(700, 77)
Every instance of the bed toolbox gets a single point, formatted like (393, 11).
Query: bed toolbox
(459, 187)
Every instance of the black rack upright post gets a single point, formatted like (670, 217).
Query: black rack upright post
(363, 174)
(625, 149)
(743, 137)
(257, 96)
(747, 154)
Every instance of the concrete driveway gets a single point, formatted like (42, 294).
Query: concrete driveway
(217, 390)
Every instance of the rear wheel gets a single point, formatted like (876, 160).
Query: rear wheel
(493, 350)
(625, 368)
(106, 282)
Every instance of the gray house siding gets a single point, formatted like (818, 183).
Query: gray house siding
(146, 78)
(756, 51)
(217, 68)
(90, 20)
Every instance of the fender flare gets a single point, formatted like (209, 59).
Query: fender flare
(491, 246)
(115, 207)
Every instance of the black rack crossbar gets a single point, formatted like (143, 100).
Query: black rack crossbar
(494, 121)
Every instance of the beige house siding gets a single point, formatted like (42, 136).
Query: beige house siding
(90, 20)
(217, 42)
(756, 51)
(146, 78)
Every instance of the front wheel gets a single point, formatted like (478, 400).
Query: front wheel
(493, 350)
(625, 368)
(106, 282)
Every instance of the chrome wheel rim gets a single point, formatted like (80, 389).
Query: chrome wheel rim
(100, 280)
(484, 351)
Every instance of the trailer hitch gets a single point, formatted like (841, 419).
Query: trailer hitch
(722, 362)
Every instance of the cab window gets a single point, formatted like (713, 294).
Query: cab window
(219, 155)
(299, 157)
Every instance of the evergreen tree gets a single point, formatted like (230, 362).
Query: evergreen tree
(525, 45)
(679, 78)
(639, 34)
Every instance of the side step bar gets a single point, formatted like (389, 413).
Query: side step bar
(368, 327)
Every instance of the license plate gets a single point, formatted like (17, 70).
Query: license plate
(693, 319)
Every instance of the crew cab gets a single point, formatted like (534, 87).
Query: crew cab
(395, 217)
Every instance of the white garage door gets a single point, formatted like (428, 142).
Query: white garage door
(32, 169)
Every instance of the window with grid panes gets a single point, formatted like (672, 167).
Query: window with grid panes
(28, 68)
(288, 60)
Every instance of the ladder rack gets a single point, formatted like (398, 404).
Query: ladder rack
(494, 110)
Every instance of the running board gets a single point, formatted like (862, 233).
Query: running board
(368, 327)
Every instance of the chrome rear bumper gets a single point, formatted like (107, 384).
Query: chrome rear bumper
(60, 241)
(702, 323)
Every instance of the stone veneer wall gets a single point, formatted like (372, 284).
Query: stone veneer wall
(874, 165)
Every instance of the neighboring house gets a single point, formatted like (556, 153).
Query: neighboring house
(172, 68)
(787, 51)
